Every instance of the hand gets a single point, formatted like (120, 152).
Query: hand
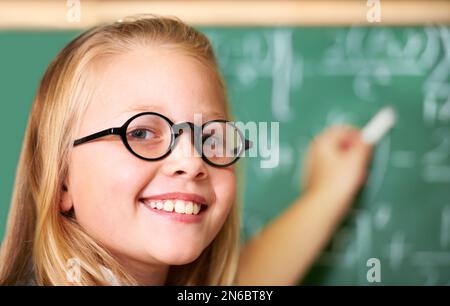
(336, 163)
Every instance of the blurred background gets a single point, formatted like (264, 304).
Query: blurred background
(305, 64)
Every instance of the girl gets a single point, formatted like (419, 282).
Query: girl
(108, 176)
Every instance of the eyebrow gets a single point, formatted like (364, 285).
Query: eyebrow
(154, 108)
(143, 108)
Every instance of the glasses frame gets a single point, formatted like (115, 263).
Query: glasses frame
(176, 131)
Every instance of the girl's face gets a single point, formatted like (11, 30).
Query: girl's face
(108, 186)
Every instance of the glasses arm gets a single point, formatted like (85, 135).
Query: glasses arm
(247, 144)
(110, 131)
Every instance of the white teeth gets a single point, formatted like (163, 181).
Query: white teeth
(168, 205)
(196, 208)
(179, 206)
(189, 208)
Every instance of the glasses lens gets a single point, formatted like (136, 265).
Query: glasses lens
(222, 142)
(149, 136)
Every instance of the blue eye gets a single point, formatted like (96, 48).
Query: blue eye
(141, 134)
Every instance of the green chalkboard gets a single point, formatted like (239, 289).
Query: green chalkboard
(307, 79)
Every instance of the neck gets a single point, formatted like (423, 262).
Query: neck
(150, 275)
(144, 273)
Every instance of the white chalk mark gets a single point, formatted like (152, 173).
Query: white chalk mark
(363, 234)
(379, 169)
(397, 250)
(440, 74)
(429, 108)
(281, 74)
(363, 239)
(247, 75)
(436, 105)
(440, 153)
(354, 41)
(362, 86)
(383, 75)
(440, 88)
(445, 35)
(393, 47)
(403, 159)
(436, 168)
(351, 54)
(437, 87)
(444, 113)
(436, 174)
(445, 227)
(353, 67)
(382, 216)
(413, 44)
(336, 52)
(431, 52)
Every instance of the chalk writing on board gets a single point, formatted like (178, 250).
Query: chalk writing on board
(436, 161)
(281, 80)
(254, 57)
(403, 159)
(436, 104)
(372, 64)
(396, 250)
(382, 215)
(379, 168)
(445, 227)
(374, 56)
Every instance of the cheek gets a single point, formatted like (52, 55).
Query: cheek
(104, 189)
(224, 185)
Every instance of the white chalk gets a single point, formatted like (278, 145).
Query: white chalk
(379, 125)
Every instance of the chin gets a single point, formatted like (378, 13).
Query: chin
(177, 255)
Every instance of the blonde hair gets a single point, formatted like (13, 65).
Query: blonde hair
(39, 240)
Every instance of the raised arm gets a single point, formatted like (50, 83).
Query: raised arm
(282, 253)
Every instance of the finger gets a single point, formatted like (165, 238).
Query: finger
(342, 128)
(362, 149)
(339, 137)
(344, 136)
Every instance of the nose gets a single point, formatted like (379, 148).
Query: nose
(184, 161)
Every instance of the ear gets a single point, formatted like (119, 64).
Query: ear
(65, 204)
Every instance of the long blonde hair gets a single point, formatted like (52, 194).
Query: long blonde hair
(39, 240)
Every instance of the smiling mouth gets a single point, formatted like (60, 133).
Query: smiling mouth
(177, 206)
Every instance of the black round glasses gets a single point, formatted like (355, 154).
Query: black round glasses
(152, 136)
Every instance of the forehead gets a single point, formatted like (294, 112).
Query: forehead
(155, 79)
